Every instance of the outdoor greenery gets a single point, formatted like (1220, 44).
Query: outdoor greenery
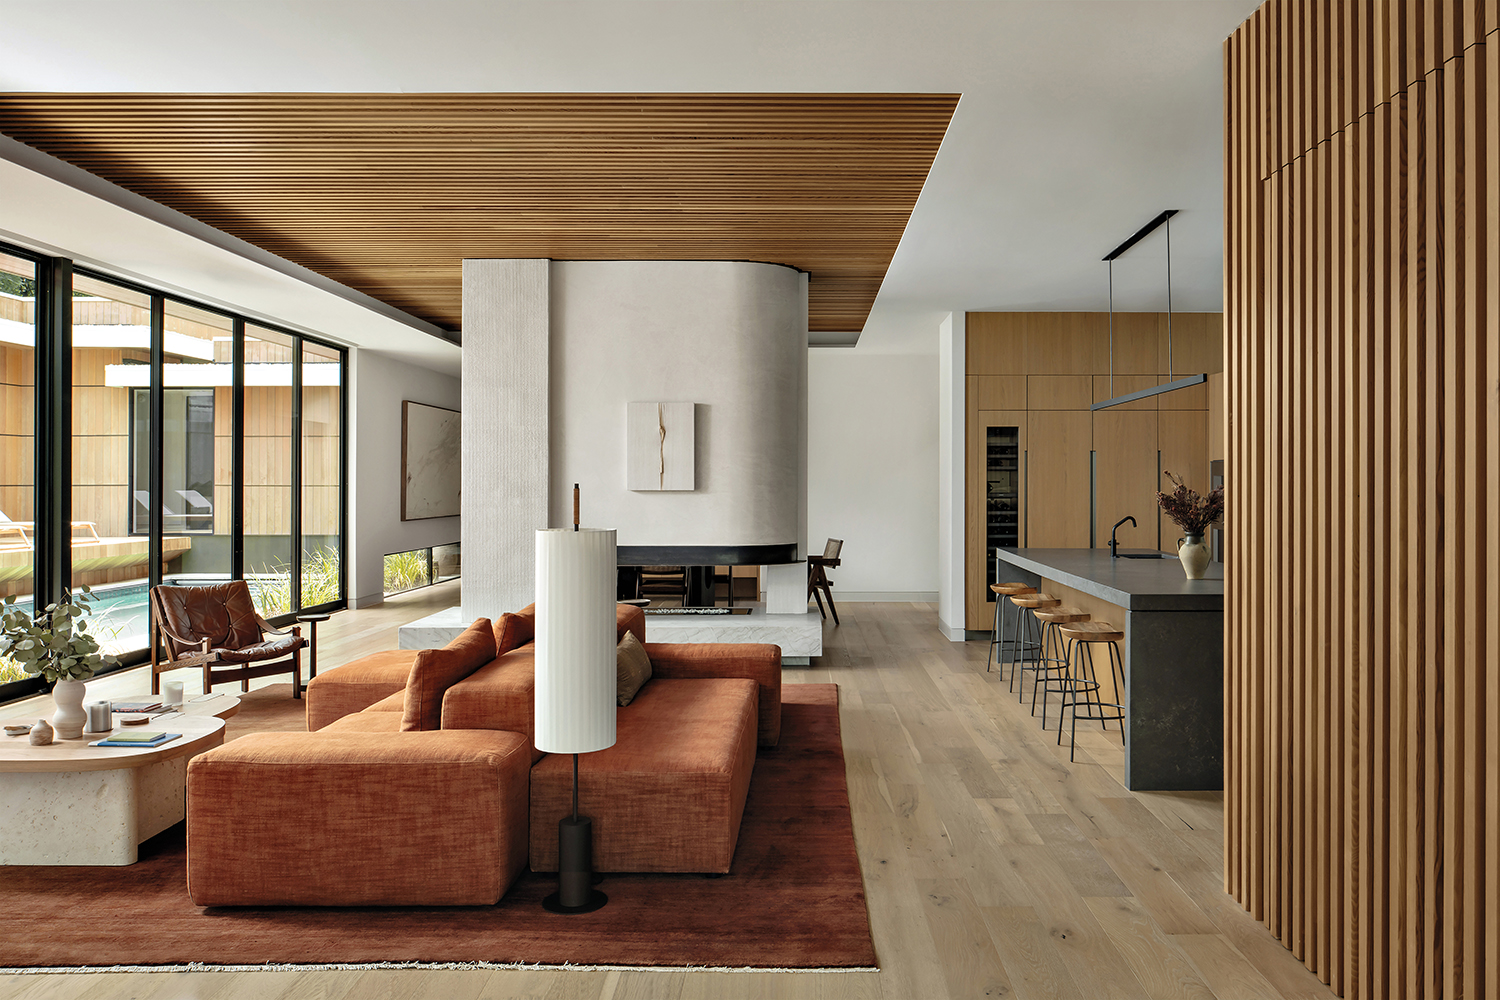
(10, 671)
(56, 643)
(406, 571)
(15, 284)
(272, 587)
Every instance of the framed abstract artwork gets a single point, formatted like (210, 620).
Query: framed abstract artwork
(659, 446)
(431, 461)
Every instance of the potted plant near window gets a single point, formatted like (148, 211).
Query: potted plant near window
(57, 645)
(1193, 513)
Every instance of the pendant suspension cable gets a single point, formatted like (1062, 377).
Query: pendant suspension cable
(1111, 264)
(1169, 299)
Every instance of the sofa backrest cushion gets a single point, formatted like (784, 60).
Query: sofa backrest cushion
(632, 669)
(436, 670)
(628, 618)
(499, 695)
(513, 632)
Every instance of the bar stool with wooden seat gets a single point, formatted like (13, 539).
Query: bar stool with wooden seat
(1026, 605)
(1054, 667)
(997, 641)
(1082, 679)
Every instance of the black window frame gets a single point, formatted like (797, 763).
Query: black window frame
(53, 440)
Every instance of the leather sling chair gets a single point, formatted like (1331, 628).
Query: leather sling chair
(217, 627)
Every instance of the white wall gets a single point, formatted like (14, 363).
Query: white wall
(728, 336)
(873, 471)
(380, 383)
(952, 341)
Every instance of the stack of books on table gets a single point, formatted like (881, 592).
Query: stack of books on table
(153, 707)
(136, 740)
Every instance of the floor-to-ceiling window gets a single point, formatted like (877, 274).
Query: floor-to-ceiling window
(167, 402)
(268, 467)
(322, 502)
(17, 442)
(110, 552)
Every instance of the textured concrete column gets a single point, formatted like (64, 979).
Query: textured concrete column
(505, 431)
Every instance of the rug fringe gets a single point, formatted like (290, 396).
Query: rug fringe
(434, 966)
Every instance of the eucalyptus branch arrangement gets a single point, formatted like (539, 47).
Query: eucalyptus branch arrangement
(1190, 510)
(56, 643)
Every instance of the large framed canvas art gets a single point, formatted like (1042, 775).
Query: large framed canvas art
(431, 469)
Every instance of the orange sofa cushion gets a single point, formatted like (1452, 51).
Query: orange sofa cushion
(357, 819)
(513, 631)
(628, 618)
(372, 720)
(357, 685)
(670, 794)
(499, 695)
(760, 662)
(434, 671)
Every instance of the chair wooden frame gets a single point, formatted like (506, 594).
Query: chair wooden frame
(818, 584)
(208, 658)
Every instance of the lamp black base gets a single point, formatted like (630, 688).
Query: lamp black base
(554, 904)
(575, 869)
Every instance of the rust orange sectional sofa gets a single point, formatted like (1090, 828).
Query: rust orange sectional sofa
(418, 782)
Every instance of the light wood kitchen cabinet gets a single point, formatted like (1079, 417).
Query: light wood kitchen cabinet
(1183, 439)
(1125, 446)
(1057, 478)
(1041, 373)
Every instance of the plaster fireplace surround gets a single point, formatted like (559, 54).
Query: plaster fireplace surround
(554, 353)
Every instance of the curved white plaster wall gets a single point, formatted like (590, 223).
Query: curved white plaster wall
(728, 336)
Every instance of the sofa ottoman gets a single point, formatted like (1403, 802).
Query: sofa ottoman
(670, 794)
(358, 819)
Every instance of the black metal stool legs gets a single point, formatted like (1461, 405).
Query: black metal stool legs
(1082, 679)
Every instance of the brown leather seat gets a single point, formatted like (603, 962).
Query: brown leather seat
(206, 626)
(269, 649)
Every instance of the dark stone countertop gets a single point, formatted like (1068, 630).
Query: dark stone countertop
(1133, 584)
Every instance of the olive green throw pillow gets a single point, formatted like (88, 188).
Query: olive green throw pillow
(632, 669)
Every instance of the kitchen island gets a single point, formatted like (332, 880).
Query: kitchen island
(1173, 652)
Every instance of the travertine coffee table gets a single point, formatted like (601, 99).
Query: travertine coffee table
(73, 804)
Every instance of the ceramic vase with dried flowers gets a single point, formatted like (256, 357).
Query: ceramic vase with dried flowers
(56, 644)
(1193, 513)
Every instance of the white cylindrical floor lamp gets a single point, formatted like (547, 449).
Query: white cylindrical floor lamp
(575, 682)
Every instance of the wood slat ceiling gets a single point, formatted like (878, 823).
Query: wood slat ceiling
(387, 193)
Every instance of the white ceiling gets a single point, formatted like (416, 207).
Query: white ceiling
(1079, 121)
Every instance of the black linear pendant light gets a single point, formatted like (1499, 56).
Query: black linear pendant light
(1170, 385)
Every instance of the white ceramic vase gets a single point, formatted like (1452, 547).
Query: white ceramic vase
(1193, 552)
(69, 720)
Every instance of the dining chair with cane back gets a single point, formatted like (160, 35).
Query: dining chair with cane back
(818, 584)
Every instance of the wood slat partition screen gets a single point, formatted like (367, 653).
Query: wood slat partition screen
(1362, 295)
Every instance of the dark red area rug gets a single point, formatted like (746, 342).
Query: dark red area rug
(793, 899)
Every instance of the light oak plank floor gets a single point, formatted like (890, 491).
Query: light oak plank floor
(994, 867)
